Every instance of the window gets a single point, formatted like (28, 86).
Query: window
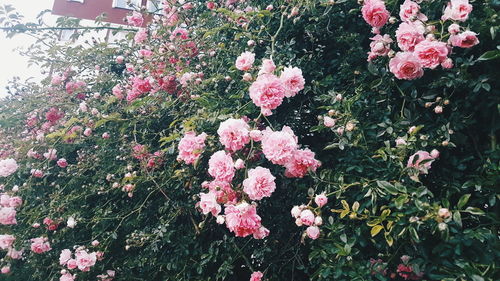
(124, 4)
(79, 1)
(155, 6)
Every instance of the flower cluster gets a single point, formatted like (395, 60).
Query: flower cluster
(310, 216)
(418, 41)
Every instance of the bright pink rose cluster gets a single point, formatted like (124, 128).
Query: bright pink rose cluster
(309, 216)
(191, 146)
(83, 260)
(416, 39)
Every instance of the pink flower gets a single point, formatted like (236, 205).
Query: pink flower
(457, 10)
(267, 67)
(51, 154)
(267, 92)
(85, 260)
(37, 173)
(223, 191)
(256, 276)
(239, 164)
(328, 121)
(242, 219)
(64, 257)
(119, 59)
(7, 216)
(40, 245)
(410, 11)
(375, 13)
(71, 264)
(5, 269)
(105, 135)
(295, 212)
(117, 91)
(292, 80)
(435, 153)
(208, 204)
(15, 202)
(380, 46)
(14, 254)
(278, 147)
(313, 232)
(261, 233)
(220, 166)
(67, 277)
(256, 135)
(87, 132)
(245, 61)
(300, 163)
(421, 160)
(409, 34)
(465, 39)
(447, 63)
(321, 200)
(406, 66)
(454, 28)
(56, 80)
(180, 33)
(191, 146)
(141, 36)
(62, 163)
(234, 134)
(144, 53)
(6, 241)
(135, 19)
(259, 184)
(431, 53)
(307, 217)
(8, 167)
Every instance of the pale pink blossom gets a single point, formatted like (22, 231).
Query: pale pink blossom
(87, 132)
(6, 241)
(375, 13)
(261, 233)
(295, 212)
(292, 80)
(435, 153)
(65, 256)
(242, 219)
(267, 92)
(410, 11)
(380, 46)
(279, 146)
(5, 269)
(328, 121)
(135, 19)
(321, 199)
(465, 39)
(234, 134)
(256, 276)
(7, 216)
(208, 203)
(431, 53)
(85, 260)
(191, 146)
(67, 277)
(56, 80)
(220, 166)
(51, 154)
(245, 61)
(313, 232)
(421, 160)
(14, 254)
(267, 67)
(406, 65)
(318, 221)
(458, 10)
(409, 34)
(454, 28)
(8, 167)
(239, 164)
(141, 36)
(117, 91)
(40, 245)
(256, 135)
(300, 163)
(307, 217)
(444, 213)
(72, 264)
(259, 184)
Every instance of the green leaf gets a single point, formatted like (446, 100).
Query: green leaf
(414, 234)
(463, 200)
(387, 186)
(490, 55)
(375, 230)
(457, 218)
(474, 211)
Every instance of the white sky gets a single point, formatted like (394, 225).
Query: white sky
(12, 63)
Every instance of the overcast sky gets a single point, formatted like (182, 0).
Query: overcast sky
(12, 63)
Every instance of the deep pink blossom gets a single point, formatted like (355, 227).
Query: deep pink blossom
(465, 39)
(256, 276)
(300, 163)
(375, 13)
(421, 160)
(406, 66)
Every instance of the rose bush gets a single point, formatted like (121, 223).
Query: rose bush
(253, 141)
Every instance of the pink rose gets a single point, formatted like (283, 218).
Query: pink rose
(321, 199)
(141, 36)
(85, 260)
(267, 67)
(447, 63)
(7, 216)
(307, 217)
(375, 13)
(380, 46)
(15, 201)
(313, 232)
(421, 160)
(256, 135)
(431, 53)
(5, 269)
(208, 204)
(14, 254)
(410, 11)
(64, 257)
(234, 134)
(301, 162)
(135, 19)
(259, 184)
(40, 245)
(267, 92)
(295, 212)
(409, 35)
(458, 10)
(6, 241)
(220, 166)
(67, 277)
(256, 276)
(454, 28)
(292, 79)
(8, 167)
(190, 147)
(117, 91)
(245, 61)
(279, 146)
(261, 233)
(239, 164)
(242, 219)
(71, 264)
(406, 66)
(328, 121)
(62, 163)
(465, 39)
